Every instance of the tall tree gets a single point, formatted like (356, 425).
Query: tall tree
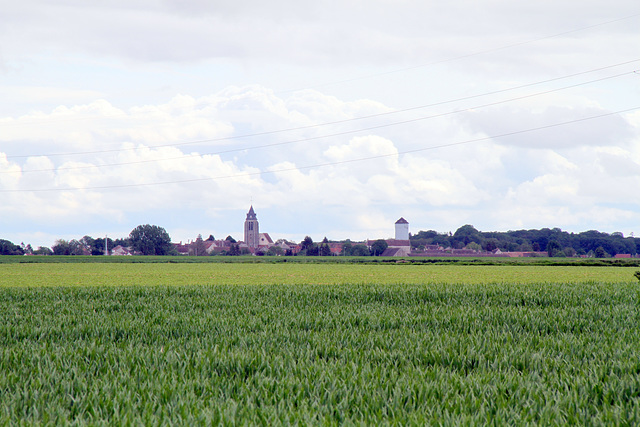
(77, 248)
(467, 234)
(61, 247)
(308, 247)
(600, 252)
(306, 243)
(234, 249)
(151, 240)
(553, 247)
(346, 248)
(198, 248)
(378, 247)
(324, 249)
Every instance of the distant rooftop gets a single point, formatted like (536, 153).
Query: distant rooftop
(402, 221)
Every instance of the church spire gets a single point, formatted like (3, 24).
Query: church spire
(251, 215)
(251, 230)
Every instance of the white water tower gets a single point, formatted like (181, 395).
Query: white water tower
(402, 229)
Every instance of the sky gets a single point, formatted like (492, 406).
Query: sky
(332, 118)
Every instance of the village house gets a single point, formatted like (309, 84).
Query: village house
(400, 245)
(121, 251)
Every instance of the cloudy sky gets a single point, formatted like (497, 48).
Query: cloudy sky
(334, 118)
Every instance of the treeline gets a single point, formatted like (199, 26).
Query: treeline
(144, 239)
(554, 241)
(154, 240)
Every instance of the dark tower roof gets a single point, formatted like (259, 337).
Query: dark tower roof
(402, 221)
(251, 215)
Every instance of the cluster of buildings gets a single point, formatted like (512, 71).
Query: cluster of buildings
(253, 242)
(256, 242)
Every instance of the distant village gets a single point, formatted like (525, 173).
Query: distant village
(465, 242)
(257, 243)
(261, 243)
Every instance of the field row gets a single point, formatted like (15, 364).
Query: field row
(256, 345)
(35, 275)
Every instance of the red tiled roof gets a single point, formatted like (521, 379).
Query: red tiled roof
(622, 256)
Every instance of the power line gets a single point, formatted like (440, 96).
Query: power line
(320, 165)
(477, 53)
(307, 127)
(282, 143)
(469, 55)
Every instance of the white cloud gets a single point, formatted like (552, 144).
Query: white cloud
(126, 83)
(503, 184)
(9, 172)
(366, 147)
(603, 131)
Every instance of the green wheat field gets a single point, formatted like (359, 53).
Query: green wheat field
(271, 344)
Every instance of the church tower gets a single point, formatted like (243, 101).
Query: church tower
(251, 231)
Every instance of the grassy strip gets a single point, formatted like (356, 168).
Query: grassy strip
(590, 262)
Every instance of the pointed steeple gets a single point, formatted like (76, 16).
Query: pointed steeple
(251, 230)
(251, 215)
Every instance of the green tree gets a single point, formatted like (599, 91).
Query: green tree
(198, 248)
(474, 247)
(230, 239)
(76, 247)
(467, 234)
(8, 248)
(306, 243)
(324, 249)
(43, 250)
(553, 247)
(308, 247)
(275, 251)
(360, 250)
(88, 243)
(347, 246)
(234, 249)
(151, 240)
(98, 246)
(71, 247)
(378, 247)
(61, 247)
(125, 243)
(490, 245)
(600, 252)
